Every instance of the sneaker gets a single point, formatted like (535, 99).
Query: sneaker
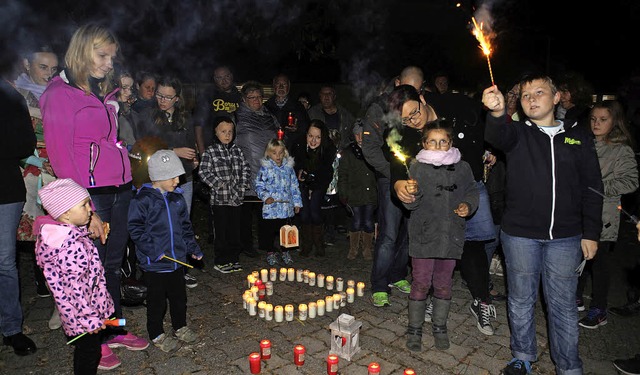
(380, 299)
(630, 309)
(108, 360)
(190, 281)
(403, 285)
(186, 335)
(595, 318)
(580, 304)
(428, 312)
(42, 290)
(272, 258)
(286, 258)
(483, 313)
(54, 321)
(128, 341)
(237, 267)
(166, 343)
(629, 366)
(223, 268)
(517, 367)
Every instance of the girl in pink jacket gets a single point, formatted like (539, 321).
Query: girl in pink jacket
(72, 268)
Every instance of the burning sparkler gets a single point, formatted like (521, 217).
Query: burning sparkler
(485, 44)
(393, 142)
(633, 218)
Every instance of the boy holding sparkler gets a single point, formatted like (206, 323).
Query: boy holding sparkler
(70, 262)
(552, 220)
(160, 227)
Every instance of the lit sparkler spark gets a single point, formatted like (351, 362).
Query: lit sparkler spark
(633, 218)
(485, 44)
(392, 141)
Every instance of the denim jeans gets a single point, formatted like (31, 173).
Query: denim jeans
(392, 245)
(114, 209)
(310, 213)
(490, 247)
(187, 193)
(362, 219)
(10, 309)
(554, 262)
(480, 226)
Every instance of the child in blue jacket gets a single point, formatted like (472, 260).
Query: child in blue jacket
(160, 227)
(277, 186)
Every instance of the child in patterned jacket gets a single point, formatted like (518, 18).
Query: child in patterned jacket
(277, 186)
(72, 268)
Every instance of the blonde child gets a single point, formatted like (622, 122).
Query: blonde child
(71, 265)
(446, 194)
(226, 171)
(160, 227)
(277, 186)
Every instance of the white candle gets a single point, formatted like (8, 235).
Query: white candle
(320, 280)
(302, 311)
(350, 295)
(269, 288)
(360, 289)
(264, 275)
(329, 281)
(291, 274)
(299, 276)
(278, 313)
(320, 307)
(268, 312)
(328, 303)
(273, 274)
(283, 274)
(343, 299)
(288, 313)
(261, 306)
(250, 281)
(351, 284)
(255, 274)
(312, 279)
(305, 276)
(245, 297)
(254, 292)
(339, 284)
(313, 309)
(251, 302)
(336, 301)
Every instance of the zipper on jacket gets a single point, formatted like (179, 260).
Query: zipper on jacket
(173, 253)
(553, 181)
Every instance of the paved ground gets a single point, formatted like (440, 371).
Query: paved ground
(229, 334)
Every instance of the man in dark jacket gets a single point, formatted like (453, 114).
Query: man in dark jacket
(291, 114)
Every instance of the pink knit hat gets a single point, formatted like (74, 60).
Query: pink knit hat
(61, 195)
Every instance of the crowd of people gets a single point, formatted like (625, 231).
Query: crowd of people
(101, 161)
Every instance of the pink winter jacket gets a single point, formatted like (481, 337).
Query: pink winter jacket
(72, 268)
(80, 129)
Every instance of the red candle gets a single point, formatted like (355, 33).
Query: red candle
(374, 368)
(298, 355)
(265, 349)
(332, 364)
(280, 134)
(262, 289)
(254, 363)
(409, 372)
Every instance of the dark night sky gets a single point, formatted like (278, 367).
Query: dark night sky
(355, 41)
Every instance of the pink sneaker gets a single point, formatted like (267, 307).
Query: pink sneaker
(109, 360)
(128, 341)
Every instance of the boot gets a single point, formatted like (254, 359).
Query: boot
(367, 245)
(306, 240)
(318, 239)
(439, 322)
(354, 243)
(414, 329)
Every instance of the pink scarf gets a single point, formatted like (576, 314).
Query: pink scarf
(439, 158)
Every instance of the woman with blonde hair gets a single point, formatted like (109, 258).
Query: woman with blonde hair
(80, 120)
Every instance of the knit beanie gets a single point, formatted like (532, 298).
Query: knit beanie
(164, 165)
(61, 195)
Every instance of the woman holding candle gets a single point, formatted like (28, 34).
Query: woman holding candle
(446, 195)
(314, 167)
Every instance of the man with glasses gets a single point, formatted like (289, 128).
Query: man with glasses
(291, 114)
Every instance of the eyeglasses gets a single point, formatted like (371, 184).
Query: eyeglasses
(255, 97)
(412, 116)
(127, 88)
(164, 97)
(437, 144)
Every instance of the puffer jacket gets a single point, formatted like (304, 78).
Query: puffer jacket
(80, 130)
(159, 225)
(70, 263)
(280, 183)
